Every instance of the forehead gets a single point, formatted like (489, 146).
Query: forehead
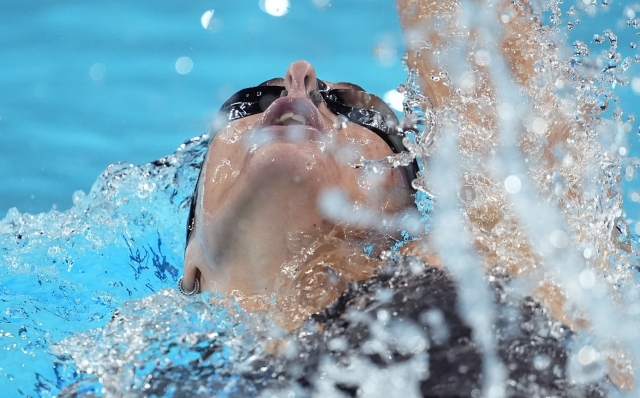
(278, 81)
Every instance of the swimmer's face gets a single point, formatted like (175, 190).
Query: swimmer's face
(264, 180)
(298, 140)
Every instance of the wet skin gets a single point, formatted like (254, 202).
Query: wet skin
(262, 181)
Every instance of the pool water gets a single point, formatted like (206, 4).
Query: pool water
(108, 82)
(88, 85)
(68, 272)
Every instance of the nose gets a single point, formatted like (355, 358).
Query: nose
(300, 80)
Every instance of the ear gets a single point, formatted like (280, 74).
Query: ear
(191, 271)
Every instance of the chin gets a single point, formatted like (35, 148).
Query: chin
(296, 163)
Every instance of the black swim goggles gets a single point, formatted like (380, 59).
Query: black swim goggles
(358, 106)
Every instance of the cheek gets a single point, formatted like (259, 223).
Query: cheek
(234, 132)
(355, 144)
(359, 144)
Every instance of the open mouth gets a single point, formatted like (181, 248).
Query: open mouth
(291, 119)
(292, 112)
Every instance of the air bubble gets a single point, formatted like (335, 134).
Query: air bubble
(598, 39)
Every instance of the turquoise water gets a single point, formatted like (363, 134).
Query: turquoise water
(59, 127)
(87, 85)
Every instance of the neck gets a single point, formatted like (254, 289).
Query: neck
(252, 226)
(243, 245)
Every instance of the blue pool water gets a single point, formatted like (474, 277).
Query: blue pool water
(60, 127)
(85, 85)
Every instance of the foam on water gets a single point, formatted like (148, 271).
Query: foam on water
(65, 272)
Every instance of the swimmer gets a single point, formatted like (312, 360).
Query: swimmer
(255, 218)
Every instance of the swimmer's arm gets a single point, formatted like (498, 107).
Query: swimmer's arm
(428, 26)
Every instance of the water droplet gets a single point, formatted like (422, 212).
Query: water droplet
(541, 361)
(613, 39)
(611, 64)
(467, 193)
(587, 279)
(385, 52)
(321, 3)
(184, 65)
(97, 71)
(277, 8)
(587, 355)
(205, 19)
(340, 122)
(598, 39)
(394, 99)
(512, 184)
(383, 316)
(559, 239)
(617, 114)
(580, 48)
(632, 44)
